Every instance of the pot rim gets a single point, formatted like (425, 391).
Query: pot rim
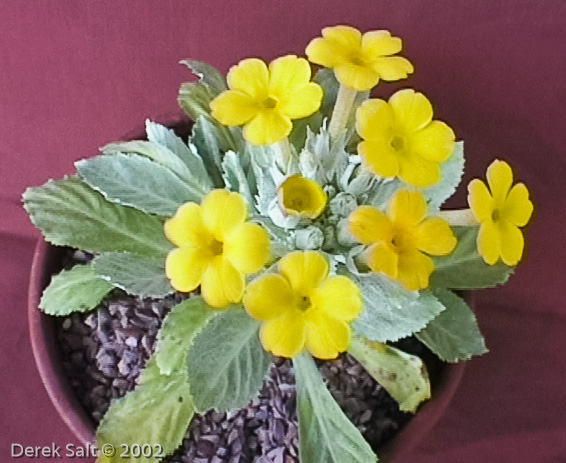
(47, 354)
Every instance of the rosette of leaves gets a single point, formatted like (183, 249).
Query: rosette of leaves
(115, 206)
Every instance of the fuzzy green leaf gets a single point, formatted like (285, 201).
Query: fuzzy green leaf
(464, 268)
(326, 435)
(178, 332)
(207, 75)
(208, 142)
(451, 172)
(156, 414)
(70, 213)
(227, 363)
(403, 375)
(77, 290)
(454, 335)
(132, 180)
(235, 177)
(137, 275)
(390, 311)
(194, 98)
(326, 79)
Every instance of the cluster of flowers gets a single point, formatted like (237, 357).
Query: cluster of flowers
(299, 304)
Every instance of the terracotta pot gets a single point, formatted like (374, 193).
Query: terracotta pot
(47, 261)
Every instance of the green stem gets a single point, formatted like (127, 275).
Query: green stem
(342, 109)
(458, 217)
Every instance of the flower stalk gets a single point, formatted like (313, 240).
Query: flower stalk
(457, 217)
(342, 110)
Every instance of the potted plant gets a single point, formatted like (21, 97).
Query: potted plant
(301, 220)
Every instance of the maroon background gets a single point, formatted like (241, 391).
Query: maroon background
(76, 75)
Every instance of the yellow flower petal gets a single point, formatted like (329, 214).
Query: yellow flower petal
(346, 37)
(233, 108)
(247, 247)
(392, 68)
(380, 158)
(287, 74)
(518, 208)
(408, 208)
(369, 225)
(412, 110)
(221, 283)
(360, 78)
(303, 102)
(380, 43)
(499, 178)
(374, 120)
(480, 200)
(301, 196)
(221, 211)
(268, 297)
(284, 336)
(488, 242)
(511, 243)
(383, 258)
(434, 143)
(267, 127)
(326, 337)
(186, 227)
(417, 171)
(251, 77)
(321, 51)
(338, 297)
(304, 270)
(414, 270)
(435, 237)
(185, 267)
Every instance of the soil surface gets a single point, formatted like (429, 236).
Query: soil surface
(105, 350)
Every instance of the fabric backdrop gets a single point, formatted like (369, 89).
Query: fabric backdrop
(76, 75)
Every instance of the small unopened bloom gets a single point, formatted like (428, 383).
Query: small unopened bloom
(302, 197)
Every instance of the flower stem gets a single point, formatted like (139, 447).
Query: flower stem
(457, 217)
(341, 111)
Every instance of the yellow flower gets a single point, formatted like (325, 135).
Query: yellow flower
(301, 306)
(400, 240)
(265, 100)
(216, 248)
(359, 61)
(400, 139)
(302, 197)
(501, 210)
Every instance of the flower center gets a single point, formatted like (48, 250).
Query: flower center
(496, 215)
(216, 247)
(402, 238)
(397, 143)
(304, 303)
(270, 102)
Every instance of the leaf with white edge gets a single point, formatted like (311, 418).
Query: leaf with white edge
(136, 181)
(298, 135)
(206, 141)
(161, 135)
(326, 435)
(178, 332)
(464, 268)
(194, 98)
(266, 187)
(381, 192)
(391, 312)
(207, 75)
(227, 363)
(403, 375)
(454, 335)
(155, 415)
(235, 177)
(323, 159)
(153, 151)
(70, 213)
(77, 290)
(137, 275)
(326, 79)
(451, 172)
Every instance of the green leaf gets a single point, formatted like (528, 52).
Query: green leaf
(208, 75)
(326, 79)
(137, 275)
(77, 290)
(161, 135)
(390, 311)
(194, 98)
(403, 375)
(178, 332)
(326, 435)
(451, 172)
(454, 335)
(235, 177)
(464, 268)
(156, 414)
(227, 363)
(70, 213)
(132, 180)
(206, 140)
(381, 192)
